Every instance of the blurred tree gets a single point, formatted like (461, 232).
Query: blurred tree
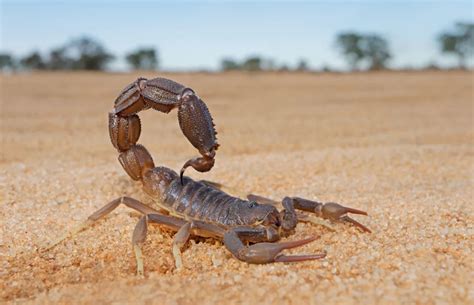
(7, 62)
(432, 65)
(326, 68)
(302, 65)
(349, 45)
(268, 64)
(59, 60)
(356, 47)
(89, 54)
(376, 51)
(143, 59)
(253, 63)
(284, 68)
(228, 64)
(79, 54)
(459, 42)
(33, 61)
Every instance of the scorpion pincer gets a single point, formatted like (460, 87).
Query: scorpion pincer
(249, 228)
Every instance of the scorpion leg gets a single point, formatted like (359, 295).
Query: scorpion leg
(139, 234)
(264, 252)
(180, 238)
(332, 211)
(300, 216)
(184, 230)
(109, 207)
(141, 229)
(138, 238)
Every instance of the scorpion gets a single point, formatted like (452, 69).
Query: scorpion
(250, 229)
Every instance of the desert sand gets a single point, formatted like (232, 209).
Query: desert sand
(398, 145)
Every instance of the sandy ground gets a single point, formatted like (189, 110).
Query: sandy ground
(398, 145)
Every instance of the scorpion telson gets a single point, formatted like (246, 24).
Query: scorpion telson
(249, 228)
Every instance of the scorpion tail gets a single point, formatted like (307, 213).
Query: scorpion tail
(201, 164)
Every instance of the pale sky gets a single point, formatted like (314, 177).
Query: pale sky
(198, 34)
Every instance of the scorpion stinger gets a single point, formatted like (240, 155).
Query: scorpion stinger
(198, 127)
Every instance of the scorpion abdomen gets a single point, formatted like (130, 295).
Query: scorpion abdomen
(194, 200)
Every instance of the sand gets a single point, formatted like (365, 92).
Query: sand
(397, 144)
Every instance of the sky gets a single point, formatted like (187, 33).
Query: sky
(198, 34)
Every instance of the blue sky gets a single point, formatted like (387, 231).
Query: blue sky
(197, 34)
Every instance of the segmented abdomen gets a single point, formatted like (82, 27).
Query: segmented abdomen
(199, 201)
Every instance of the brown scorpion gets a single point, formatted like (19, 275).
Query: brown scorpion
(249, 228)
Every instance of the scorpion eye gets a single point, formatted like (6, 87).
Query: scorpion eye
(252, 204)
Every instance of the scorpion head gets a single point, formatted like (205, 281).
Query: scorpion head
(262, 214)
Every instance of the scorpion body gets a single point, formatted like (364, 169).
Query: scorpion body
(248, 228)
(198, 201)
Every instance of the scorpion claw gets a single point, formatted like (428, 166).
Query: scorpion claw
(298, 258)
(336, 212)
(262, 253)
(356, 223)
(355, 211)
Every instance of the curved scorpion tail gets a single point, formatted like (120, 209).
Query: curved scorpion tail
(163, 95)
(124, 133)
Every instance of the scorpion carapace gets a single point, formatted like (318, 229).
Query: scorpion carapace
(249, 228)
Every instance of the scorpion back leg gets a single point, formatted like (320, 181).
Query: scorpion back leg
(183, 227)
(263, 252)
(109, 207)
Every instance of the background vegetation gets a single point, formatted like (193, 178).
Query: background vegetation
(361, 51)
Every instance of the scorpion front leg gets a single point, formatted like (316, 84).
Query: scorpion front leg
(264, 252)
(331, 211)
